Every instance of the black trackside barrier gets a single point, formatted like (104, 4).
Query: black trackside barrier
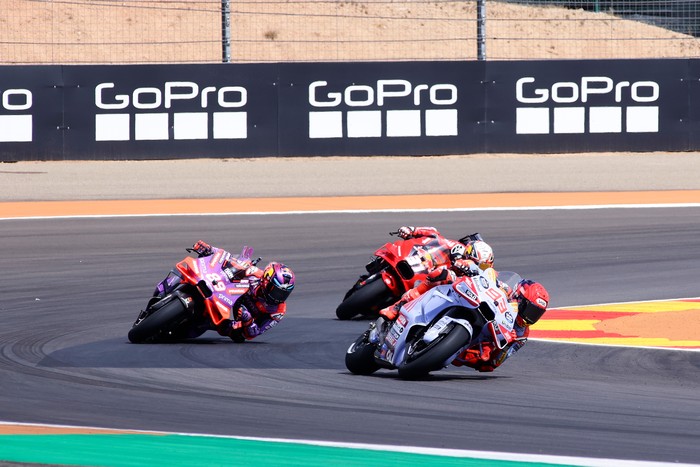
(109, 112)
(31, 113)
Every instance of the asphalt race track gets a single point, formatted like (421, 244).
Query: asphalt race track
(71, 289)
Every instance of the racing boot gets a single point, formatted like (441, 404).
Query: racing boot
(391, 312)
(381, 326)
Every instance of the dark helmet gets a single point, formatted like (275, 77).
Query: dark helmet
(532, 299)
(277, 283)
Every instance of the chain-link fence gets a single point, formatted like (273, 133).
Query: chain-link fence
(188, 31)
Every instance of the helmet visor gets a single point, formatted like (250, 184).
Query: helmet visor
(529, 312)
(274, 294)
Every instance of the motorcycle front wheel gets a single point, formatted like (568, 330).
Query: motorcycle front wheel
(366, 300)
(422, 358)
(359, 358)
(156, 325)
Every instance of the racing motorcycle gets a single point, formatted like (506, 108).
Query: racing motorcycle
(433, 329)
(196, 296)
(395, 268)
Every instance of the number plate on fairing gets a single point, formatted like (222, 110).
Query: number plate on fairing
(466, 290)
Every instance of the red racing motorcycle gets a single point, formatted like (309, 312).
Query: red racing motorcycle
(395, 268)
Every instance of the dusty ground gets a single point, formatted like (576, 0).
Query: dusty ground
(350, 176)
(108, 31)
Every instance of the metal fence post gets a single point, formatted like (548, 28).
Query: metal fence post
(481, 29)
(226, 30)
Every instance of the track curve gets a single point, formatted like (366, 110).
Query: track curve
(72, 288)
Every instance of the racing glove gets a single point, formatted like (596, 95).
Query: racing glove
(457, 252)
(466, 267)
(244, 317)
(406, 232)
(202, 248)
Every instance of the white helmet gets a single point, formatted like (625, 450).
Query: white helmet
(481, 253)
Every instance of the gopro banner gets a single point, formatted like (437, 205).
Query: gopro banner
(325, 109)
(590, 106)
(388, 108)
(153, 111)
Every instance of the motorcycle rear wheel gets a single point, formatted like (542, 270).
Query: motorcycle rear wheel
(359, 358)
(154, 326)
(367, 300)
(430, 357)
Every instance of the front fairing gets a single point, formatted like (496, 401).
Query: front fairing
(168, 285)
(219, 294)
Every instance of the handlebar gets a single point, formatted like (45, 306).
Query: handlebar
(252, 263)
(467, 238)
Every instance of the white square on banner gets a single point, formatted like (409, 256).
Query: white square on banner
(364, 124)
(15, 128)
(403, 123)
(151, 127)
(643, 119)
(230, 125)
(112, 127)
(605, 119)
(325, 124)
(441, 122)
(532, 120)
(569, 120)
(190, 125)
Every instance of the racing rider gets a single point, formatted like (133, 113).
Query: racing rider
(532, 300)
(478, 253)
(467, 260)
(263, 305)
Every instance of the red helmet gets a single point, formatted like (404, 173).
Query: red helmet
(277, 283)
(532, 299)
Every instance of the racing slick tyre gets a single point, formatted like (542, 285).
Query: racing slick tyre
(359, 358)
(366, 300)
(155, 326)
(422, 358)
